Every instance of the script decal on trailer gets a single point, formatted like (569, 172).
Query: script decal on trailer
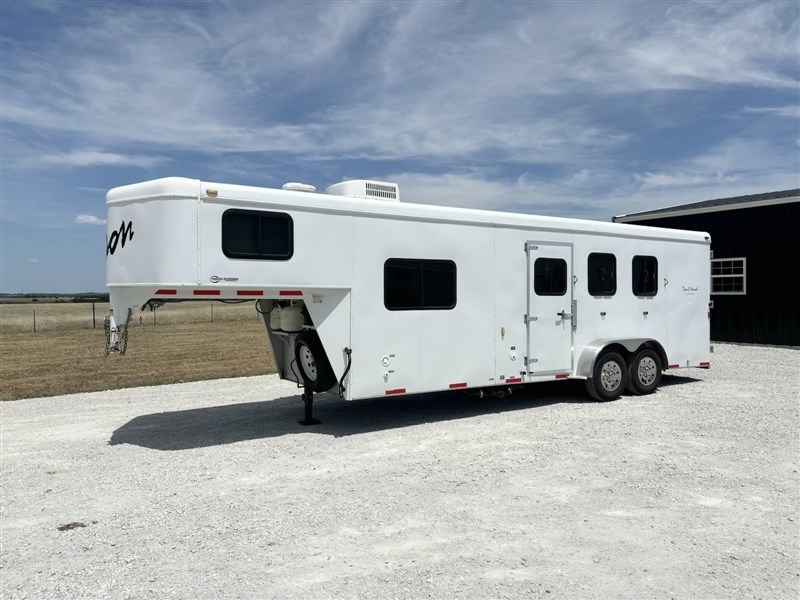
(124, 234)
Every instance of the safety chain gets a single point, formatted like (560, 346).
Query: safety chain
(107, 329)
(123, 342)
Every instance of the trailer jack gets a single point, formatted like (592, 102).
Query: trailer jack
(308, 400)
(116, 335)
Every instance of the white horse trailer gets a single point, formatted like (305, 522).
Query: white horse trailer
(369, 296)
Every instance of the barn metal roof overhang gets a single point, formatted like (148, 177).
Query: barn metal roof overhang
(718, 205)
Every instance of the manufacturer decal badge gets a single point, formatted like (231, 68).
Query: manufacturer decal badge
(119, 237)
(217, 279)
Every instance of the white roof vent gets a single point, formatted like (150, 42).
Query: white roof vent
(368, 190)
(293, 186)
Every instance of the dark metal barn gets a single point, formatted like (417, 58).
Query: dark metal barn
(755, 264)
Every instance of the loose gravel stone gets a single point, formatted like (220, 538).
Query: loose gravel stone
(212, 490)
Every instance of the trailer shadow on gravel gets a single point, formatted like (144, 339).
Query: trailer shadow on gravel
(670, 380)
(218, 425)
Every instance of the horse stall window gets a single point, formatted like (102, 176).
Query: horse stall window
(602, 274)
(645, 275)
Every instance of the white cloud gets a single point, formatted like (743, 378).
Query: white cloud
(735, 162)
(574, 108)
(658, 180)
(702, 45)
(89, 220)
(90, 158)
(33, 260)
(791, 111)
(458, 87)
(385, 81)
(557, 198)
(525, 194)
(741, 154)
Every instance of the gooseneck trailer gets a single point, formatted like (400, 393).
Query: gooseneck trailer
(368, 296)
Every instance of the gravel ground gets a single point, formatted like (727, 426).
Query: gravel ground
(212, 490)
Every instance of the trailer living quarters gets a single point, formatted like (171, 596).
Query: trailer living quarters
(370, 296)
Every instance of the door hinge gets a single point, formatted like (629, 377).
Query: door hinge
(574, 315)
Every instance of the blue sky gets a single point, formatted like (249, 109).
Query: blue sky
(581, 109)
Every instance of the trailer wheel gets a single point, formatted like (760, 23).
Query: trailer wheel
(315, 369)
(609, 377)
(645, 372)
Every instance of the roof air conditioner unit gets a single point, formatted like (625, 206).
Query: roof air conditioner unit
(368, 190)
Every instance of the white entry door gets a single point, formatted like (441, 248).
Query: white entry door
(551, 310)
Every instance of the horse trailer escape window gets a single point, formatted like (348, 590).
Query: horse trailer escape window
(645, 275)
(257, 235)
(729, 276)
(602, 274)
(419, 284)
(550, 277)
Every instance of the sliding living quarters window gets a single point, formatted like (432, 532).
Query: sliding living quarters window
(257, 235)
(729, 276)
(414, 284)
(550, 277)
(645, 275)
(602, 274)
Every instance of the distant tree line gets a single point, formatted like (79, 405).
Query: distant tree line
(81, 297)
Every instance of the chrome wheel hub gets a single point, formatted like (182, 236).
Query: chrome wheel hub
(611, 376)
(647, 371)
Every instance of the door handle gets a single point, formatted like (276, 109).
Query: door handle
(564, 315)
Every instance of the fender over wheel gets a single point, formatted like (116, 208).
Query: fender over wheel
(315, 369)
(609, 377)
(644, 373)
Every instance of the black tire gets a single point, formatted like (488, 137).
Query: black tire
(609, 377)
(644, 373)
(312, 362)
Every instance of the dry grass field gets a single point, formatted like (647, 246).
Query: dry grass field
(65, 355)
(51, 316)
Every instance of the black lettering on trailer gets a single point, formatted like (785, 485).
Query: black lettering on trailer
(119, 237)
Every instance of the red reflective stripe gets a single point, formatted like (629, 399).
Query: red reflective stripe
(206, 292)
(514, 380)
(397, 391)
(562, 375)
(166, 292)
(458, 385)
(249, 293)
(291, 293)
(674, 367)
(705, 364)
